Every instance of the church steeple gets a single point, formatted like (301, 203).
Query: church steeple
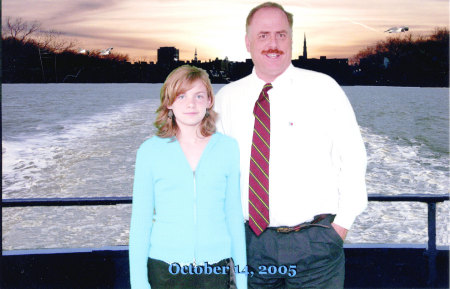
(195, 55)
(305, 53)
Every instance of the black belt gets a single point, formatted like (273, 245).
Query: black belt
(313, 223)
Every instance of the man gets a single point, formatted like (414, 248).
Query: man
(298, 127)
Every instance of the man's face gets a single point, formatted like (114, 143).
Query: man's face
(269, 41)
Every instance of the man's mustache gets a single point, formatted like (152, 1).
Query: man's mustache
(269, 51)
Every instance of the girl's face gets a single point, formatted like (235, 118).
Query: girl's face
(190, 107)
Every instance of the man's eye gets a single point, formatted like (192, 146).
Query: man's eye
(262, 36)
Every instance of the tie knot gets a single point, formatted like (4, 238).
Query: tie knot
(267, 87)
(264, 95)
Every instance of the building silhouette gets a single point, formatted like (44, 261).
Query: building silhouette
(305, 52)
(167, 56)
(337, 68)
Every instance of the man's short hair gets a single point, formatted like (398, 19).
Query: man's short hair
(289, 16)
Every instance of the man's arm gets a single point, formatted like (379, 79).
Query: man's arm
(350, 154)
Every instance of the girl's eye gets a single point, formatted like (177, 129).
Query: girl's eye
(181, 96)
(200, 96)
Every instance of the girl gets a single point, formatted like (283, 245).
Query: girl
(187, 221)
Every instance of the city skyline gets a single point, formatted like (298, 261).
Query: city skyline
(217, 28)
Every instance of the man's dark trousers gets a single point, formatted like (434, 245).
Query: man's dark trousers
(316, 252)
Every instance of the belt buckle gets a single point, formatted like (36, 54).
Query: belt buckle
(284, 230)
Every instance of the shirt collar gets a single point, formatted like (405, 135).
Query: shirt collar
(278, 82)
(258, 82)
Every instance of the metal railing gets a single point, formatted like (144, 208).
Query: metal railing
(430, 200)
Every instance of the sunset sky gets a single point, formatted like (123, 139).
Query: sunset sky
(333, 28)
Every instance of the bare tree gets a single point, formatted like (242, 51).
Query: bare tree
(53, 40)
(440, 34)
(20, 29)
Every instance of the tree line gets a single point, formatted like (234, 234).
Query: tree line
(406, 60)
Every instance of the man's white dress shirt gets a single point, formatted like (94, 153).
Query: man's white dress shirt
(317, 156)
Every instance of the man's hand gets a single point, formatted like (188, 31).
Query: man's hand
(340, 230)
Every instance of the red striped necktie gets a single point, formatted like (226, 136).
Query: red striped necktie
(259, 165)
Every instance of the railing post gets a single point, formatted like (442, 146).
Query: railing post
(431, 252)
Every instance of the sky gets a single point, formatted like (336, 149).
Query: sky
(216, 28)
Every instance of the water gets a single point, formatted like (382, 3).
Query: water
(73, 140)
(407, 138)
(80, 140)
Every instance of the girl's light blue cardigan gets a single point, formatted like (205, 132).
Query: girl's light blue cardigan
(183, 216)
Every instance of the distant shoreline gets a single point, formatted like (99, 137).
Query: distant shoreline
(363, 85)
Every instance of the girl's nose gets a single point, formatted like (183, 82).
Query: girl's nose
(191, 102)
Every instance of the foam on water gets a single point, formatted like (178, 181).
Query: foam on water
(55, 163)
(399, 169)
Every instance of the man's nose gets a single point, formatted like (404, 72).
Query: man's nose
(273, 42)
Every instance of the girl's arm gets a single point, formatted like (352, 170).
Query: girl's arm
(234, 217)
(141, 219)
